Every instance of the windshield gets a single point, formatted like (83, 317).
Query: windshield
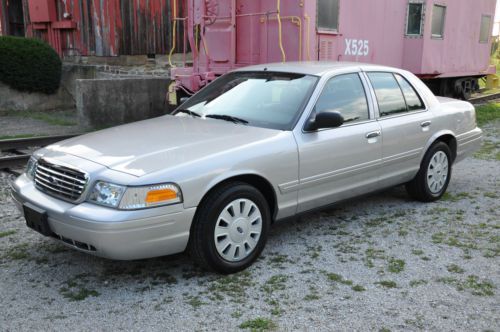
(260, 99)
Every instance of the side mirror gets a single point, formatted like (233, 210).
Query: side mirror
(183, 99)
(326, 119)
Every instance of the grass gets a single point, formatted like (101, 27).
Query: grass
(275, 283)
(18, 252)
(338, 278)
(258, 324)
(453, 268)
(52, 118)
(487, 113)
(417, 282)
(396, 265)
(79, 295)
(471, 283)
(7, 233)
(358, 288)
(387, 283)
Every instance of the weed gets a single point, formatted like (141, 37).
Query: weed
(79, 295)
(258, 324)
(358, 288)
(7, 233)
(454, 268)
(417, 282)
(194, 301)
(396, 265)
(387, 283)
(471, 283)
(275, 283)
(338, 278)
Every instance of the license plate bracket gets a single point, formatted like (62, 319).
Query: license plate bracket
(36, 219)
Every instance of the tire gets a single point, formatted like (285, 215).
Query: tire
(230, 228)
(434, 175)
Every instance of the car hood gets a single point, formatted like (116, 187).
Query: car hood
(169, 141)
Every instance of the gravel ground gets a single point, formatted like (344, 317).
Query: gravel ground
(381, 262)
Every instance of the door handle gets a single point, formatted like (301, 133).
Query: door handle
(373, 134)
(425, 124)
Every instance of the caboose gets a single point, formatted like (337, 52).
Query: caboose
(447, 43)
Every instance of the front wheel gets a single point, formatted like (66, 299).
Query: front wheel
(434, 175)
(230, 228)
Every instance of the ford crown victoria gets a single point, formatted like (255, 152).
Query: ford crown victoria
(257, 145)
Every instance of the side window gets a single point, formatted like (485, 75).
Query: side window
(344, 94)
(485, 33)
(389, 96)
(328, 15)
(414, 19)
(438, 16)
(412, 98)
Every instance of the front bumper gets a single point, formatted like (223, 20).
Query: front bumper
(109, 233)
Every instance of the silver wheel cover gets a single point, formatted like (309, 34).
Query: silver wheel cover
(437, 172)
(238, 230)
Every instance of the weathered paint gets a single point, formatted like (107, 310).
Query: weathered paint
(106, 27)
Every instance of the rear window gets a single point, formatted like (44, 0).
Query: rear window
(412, 98)
(389, 96)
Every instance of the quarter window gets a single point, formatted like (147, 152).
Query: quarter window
(438, 16)
(389, 96)
(344, 94)
(328, 15)
(413, 101)
(414, 20)
(484, 36)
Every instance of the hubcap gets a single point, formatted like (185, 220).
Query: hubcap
(437, 172)
(238, 230)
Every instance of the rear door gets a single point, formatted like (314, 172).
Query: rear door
(405, 123)
(340, 162)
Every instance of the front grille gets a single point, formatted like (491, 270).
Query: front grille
(60, 181)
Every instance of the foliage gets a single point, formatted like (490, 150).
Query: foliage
(28, 64)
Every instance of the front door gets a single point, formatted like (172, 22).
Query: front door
(341, 162)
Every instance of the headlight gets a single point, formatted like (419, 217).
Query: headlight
(31, 168)
(105, 193)
(150, 196)
(131, 198)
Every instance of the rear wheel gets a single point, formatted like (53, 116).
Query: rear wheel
(433, 178)
(230, 228)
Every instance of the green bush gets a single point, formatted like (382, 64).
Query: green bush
(28, 64)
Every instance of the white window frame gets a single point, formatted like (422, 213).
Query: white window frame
(443, 25)
(422, 18)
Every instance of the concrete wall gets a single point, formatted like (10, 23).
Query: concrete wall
(64, 98)
(108, 102)
(13, 100)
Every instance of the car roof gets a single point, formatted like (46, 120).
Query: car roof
(317, 68)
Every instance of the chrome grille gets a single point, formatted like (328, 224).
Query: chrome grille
(60, 181)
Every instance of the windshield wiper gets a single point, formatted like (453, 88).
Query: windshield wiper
(194, 114)
(226, 118)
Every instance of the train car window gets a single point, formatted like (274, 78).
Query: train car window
(389, 95)
(438, 17)
(484, 36)
(344, 94)
(414, 19)
(413, 100)
(328, 15)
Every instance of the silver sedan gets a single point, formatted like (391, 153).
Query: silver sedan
(257, 145)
